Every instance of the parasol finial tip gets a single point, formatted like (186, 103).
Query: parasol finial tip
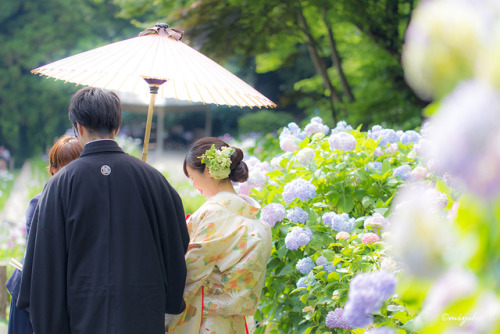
(161, 25)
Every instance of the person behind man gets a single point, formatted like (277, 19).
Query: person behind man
(106, 250)
(64, 150)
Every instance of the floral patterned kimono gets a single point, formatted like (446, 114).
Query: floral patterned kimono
(226, 264)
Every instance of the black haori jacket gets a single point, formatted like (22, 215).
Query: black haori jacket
(106, 248)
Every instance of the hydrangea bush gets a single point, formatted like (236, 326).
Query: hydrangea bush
(326, 193)
(390, 231)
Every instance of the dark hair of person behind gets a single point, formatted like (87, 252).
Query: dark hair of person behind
(98, 110)
(65, 150)
(239, 169)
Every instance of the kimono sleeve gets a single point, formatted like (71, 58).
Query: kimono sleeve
(175, 247)
(43, 283)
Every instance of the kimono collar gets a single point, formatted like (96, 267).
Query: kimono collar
(239, 204)
(99, 146)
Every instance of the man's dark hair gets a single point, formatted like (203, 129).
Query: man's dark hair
(98, 110)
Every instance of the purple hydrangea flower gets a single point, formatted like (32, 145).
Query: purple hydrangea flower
(297, 215)
(316, 126)
(367, 293)
(338, 222)
(298, 237)
(273, 213)
(327, 266)
(404, 172)
(298, 188)
(380, 330)
(305, 265)
(342, 141)
(305, 281)
(409, 136)
(464, 137)
(335, 319)
(376, 221)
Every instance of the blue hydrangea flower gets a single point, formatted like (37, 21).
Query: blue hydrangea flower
(342, 127)
(335, 319)
(380, 330)
(342, 141)
(410, 136)
(305, 281)
(305, 265)
(273, 213)
(297, 215)
(298, 237)
(290, 137)
(386, 136)
(298, 188)
(305, 156)
(316, 126)
(367, 293)
(375, 165)
(404, 172)
(327, 266)
(338, 222)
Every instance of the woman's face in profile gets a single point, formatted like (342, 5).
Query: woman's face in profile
(202, 182)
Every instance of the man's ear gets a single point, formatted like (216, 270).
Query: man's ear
(80, 129)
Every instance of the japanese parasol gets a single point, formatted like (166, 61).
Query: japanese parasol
(157, 59)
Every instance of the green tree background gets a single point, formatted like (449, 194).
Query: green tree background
(338, 59)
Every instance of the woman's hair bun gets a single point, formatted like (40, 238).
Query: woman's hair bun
(239, 169)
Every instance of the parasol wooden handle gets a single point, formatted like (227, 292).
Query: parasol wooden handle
(148, 127)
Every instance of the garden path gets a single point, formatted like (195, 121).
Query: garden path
(14, 212)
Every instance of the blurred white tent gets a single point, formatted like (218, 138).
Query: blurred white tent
(136, 103)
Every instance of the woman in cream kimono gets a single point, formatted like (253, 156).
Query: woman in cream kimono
(229, 247)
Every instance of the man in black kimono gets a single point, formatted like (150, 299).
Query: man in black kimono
(106, 249)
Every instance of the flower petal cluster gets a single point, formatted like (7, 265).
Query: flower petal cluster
(404, 172)
(375, 165)
(369, 238)
(316, 126)
(327, 266)
(298, 188)
(305, 156)
(305, 281)
(409, 136)
(338, 222)
(335, 319)
(305, 265)
(342, 141)
(386, 136)
(342, 127)
(218, 162)
(298, 237)
(273, 213)
(367, 293)
(380, 330)
(376, 222)
(297, 215)
(342, 236)
(464, 138)
(290, 137)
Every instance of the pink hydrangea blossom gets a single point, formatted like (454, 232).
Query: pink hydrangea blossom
(369, 238)
(342, 236)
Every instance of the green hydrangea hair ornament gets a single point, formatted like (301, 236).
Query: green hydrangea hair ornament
(218, 162)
